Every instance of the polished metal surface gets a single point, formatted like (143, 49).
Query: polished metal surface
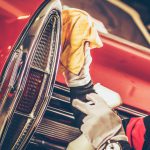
(28, 80)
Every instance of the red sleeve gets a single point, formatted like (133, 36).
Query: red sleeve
(135, 131)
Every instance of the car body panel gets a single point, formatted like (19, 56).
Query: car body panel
(14, 15)
(123, 67)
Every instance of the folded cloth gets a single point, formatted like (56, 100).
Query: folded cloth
(138, 131)
(83, 77)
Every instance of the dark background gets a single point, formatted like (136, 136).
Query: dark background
(143, 7)
(117, 21)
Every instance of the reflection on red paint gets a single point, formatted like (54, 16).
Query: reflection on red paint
(9, 47)
(23, 17)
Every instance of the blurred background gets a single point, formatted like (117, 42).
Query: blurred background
(128, 19)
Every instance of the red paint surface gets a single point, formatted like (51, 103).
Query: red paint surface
(10, 24)
(125, 70)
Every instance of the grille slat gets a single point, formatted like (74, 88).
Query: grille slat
(58, 130)
(17, 123)
(43, 48)
(31, 91)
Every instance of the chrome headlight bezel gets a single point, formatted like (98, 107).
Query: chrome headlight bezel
(36, 58)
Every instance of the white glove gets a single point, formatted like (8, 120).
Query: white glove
(111, 97)
(101, 123)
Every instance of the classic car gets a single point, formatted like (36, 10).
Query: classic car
(35, 109)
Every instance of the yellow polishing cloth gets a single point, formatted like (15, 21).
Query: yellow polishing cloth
(77, 29)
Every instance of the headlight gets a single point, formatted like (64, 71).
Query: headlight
(27, 82)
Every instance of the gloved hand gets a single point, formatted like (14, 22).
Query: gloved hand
(80, 93)
(101, 123)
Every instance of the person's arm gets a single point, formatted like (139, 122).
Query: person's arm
(102, 127)
(78, 38)
(138, 132)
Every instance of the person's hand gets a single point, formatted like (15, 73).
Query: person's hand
(101, 123)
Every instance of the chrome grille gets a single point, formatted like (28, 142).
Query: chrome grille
(36, 81)
(58, 131)
(14, 131)
(43, 47)
(31, 91)
(57, 128)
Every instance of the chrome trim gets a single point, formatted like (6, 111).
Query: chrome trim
(63, 100)
(58, 130)
(68, 114)
(127, 43)
(54, 110)
(131, 111)
(51, 10)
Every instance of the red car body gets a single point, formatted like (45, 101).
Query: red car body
(14, 15)
(119, 65)
(123, 67)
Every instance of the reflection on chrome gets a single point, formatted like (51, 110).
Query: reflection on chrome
(27, 81)
(8, 86)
